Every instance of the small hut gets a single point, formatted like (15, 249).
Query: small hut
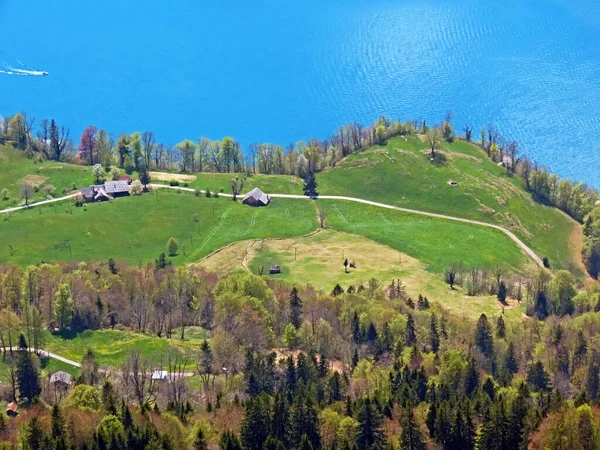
(256, 197)
(160, 375)
(274, 270)
(12, 409)
(61, 380)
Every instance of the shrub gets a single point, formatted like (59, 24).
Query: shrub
(197, 192)
(172, 247)
(186, 184)
(208, 193)
(4, 194)
(173, 183)
(221, 190)
(546, 262)
(136, 188)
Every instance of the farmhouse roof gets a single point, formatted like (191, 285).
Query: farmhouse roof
(87, 192)
(125, 178)
(101, 192)
(61, 376)
(12, 406)
(256, 196)
(159, 375)
(115, 187)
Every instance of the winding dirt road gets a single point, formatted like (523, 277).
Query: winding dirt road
(530, 253)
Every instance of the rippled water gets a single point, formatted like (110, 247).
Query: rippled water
(285, 71)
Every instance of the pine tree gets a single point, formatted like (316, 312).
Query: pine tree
(290, 376)
(281, 418)
(28, 376)
(295, 308)
(434, 334)
(538, 378)
(273, 444)
(580, 350)
(305, 443)
(305, 420)
(500, 328)
(370, 434)
(63, 306)
(462, 430)
(510, 361)
(229, 441)
(200, 440)
(495, 428)
(592, 378)
(502, 292)
(356, 335)
(256, 425)
(58, 428)
(335, 388)
(371, 333)
(34, 435)
(517, 416)
(541, 306)
(410, 335)
(471, 378)
(483, 336)
(355, 358)
(411, 437)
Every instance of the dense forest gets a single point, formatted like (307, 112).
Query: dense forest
(361, 367)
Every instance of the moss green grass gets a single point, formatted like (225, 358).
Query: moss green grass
(136, 229)
(401, 173)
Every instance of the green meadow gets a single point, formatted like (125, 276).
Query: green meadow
(136, 229)
(401, 173)
(15, 170)
(112, 347)
(435, 242)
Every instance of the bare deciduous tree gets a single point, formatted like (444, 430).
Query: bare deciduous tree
(137, 372)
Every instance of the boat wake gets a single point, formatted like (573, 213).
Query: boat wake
(23, 71)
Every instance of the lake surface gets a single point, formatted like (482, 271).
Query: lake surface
(284, 71)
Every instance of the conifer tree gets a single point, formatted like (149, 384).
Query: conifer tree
(495, 428)
(592, 378)
(500, 328)
(58, 429)
(295, 308)
(483, 336)
(355, 358)
(33, 435)
(538, 378)
(281, 419)
(580, 350)
(510, 361)
(229, 441)
(410, 335)
(471, 378)
(370, 434)
(462, 430)
(200, 440)
(304, 419)
(335, 388)
(356, 335)
(541, 305)
(28, 375)
(411, 437)
(305, 443)
(256, 426)
(434, 334)
(273, 444)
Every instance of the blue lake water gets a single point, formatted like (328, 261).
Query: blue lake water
(284, 71)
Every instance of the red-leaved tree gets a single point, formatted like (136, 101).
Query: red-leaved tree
(87, 145)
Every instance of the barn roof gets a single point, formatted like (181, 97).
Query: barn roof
(257, 195)
(12, 406)
(112, 187)
(61, 376)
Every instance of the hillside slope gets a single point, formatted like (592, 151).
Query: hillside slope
(402, 174)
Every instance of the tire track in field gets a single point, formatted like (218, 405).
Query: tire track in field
(212, 233)
(339, 213)
(385, 219)
(252, 223)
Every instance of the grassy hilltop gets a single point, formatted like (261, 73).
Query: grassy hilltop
(400, 173)
(136, 229)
